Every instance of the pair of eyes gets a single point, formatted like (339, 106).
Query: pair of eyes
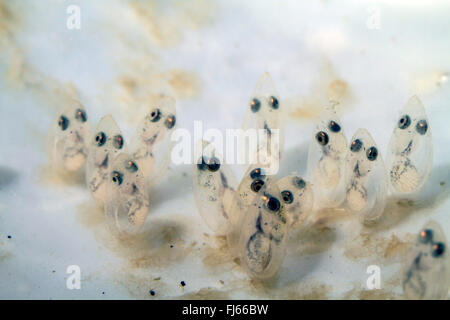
(211, 164)
(258, 180)
(371, 153)
(117, 176)
(63, 121)
(322, 137)
(288, 196)
(426, 237)
(255, 104)
(155, 116)
(100, 140)
(405, 122)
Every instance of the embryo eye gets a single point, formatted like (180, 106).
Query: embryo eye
(438, 249)
(322, 138)
(117, 177)
(131, 166)
(372, 153)
(334, 126)
(170, 122)
(118, 142)
(213, 164)
(273, 204)
(201, 163)
(80, 115)
(426, 236)
(256, 185)
(63, 122)
(356, 145)
(155, 115)
(273, 102)
(100, 139)
(287, 196)
(422, 127)
(255, 173)
(404, 122)
(255, 104)
(299, 182)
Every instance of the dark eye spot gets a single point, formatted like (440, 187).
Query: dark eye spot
(63, 123)
(81, 115)
(356, 145)
(256, 173)
(131, 166)
(255, 104)
(273, 102)
(426, 236)
(372, 153)
(155, 115)
(322, 138)
(273, 204)
(118, 142)
(201, 163)
(438, 249)
(287, 196)
(334, 126)
(404, 122)
(299, 182)
(117, 177)
(422, 127)
(100, 139)
(256, 185)
(213, 164)
(170, 121)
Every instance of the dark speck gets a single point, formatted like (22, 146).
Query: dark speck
(152, 292)
(103, 292)
(183, 283)
(9, 237)
(171, 245)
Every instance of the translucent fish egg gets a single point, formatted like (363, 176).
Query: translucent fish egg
(152, 144)
(410, 152)
(251, 184)
(297, 196)
(106, 143)
(126, 199)
(68, 138)
(214, 184)
(264, 111)
(326, 161)
(262, 243)
(426, 270)
(366, 181)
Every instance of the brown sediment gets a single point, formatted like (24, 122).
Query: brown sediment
(328, 89)
(217, 255)
(307, 291)
(49, 176)
(165, 23)
(315, 239)
(185, 84)
(90, 214)
(205, 294)
(377, 294)
(160, 244)
(376, 247)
